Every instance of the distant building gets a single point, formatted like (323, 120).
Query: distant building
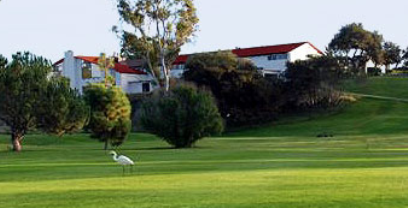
(270, 60)
(133, 79)
(83, 70)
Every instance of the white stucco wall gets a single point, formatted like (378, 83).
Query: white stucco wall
(269, 65)
(176, 73)
(69, 67)
(302, 52)
(133, 83)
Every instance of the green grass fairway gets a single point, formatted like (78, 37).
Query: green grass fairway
(276, 166)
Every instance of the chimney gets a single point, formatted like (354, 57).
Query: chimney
(69, 54)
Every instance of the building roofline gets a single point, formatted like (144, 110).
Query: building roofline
(255, 51)
(120, 68)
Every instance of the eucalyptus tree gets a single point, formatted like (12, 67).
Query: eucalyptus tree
(159, 29)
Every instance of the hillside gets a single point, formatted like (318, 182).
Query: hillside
(369, 116)
(380, 86)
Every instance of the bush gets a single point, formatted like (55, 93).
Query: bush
(110, 114)
(373, 71)
(181, 116)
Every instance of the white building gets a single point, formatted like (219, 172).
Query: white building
(270, 60)
(83, 70)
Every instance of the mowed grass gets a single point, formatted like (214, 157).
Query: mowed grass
(380, 86)
(280, 165)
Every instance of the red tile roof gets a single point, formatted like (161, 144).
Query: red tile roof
(257, 51)
(120, 68)
(182, 59)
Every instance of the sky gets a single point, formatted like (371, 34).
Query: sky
(51, 27)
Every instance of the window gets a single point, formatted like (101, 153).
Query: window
(178, 67)
(274, 57)
(86, 70)
(146, 87)
(283, 56)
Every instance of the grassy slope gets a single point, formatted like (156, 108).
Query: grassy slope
(380, 86)
(284, 165)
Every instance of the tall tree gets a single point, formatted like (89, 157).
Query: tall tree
(358, 44)
(161, 28)
(25, 93)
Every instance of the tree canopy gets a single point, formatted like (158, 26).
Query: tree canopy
(359, 44)
(392, 54)
(161, 28)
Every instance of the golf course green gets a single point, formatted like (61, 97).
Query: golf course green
(281, 165)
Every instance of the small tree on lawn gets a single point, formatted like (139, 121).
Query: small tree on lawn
(161, 28)
(110, 114)
(181, 116)
(27, 97)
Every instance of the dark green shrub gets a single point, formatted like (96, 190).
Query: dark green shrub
(110, 114)
(244, 97)
(314, 83)
(181, 116)
(373, 71)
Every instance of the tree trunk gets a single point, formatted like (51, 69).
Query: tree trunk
(106, 145)
(16, 139)
(165, 72)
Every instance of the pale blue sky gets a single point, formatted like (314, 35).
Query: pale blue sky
(50, 27)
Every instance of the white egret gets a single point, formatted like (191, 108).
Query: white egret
(123, 160)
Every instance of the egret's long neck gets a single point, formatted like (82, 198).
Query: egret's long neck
(115, 157)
